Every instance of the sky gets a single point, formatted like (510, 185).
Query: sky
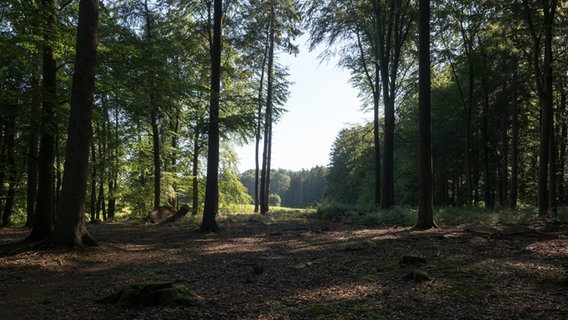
(321, 103)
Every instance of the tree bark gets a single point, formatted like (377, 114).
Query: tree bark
(43, 219)
(195, 170)
(514, 143)
(33, 145)
(265, 173)
(425, 175)
(211, 209)
(156, 157)
(11, 165)
(70, 227)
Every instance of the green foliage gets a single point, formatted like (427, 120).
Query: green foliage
(456, 216)
(297, 189)
(274, 200)
(348, 178)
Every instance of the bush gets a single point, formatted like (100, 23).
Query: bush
(274, 200)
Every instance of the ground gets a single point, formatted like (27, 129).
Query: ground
(294, 268)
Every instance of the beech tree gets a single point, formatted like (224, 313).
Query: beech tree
(211, 209)
(70, 226)
(43, 218)
(425, 176)
(373, 36)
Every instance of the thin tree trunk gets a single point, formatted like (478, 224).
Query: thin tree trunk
(11, 165)
(504, 159)
(156, 157)
(93, 206)
(562, 152)
(43, 219)
(33, 140)
(265, 187)
(195, 171)
(257, 134)
(487, 176)
(514, 143)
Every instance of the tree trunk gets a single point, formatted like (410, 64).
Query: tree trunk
(11, 165)
(514, 143)
(43, 219)
(93, 182)
(265, 179)
(425, 175)
(156, 156)
(70, 227)
(258, 130)
(195, 170)
(504, 158)
(543, 78)
(33, 140)
(487, 174)
(562, 152)
(211, 209)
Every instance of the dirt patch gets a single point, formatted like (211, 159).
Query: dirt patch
(277, 268)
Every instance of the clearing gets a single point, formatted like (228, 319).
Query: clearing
(284, 267)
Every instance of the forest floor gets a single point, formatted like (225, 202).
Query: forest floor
(282, 267)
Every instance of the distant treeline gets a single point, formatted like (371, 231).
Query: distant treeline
(295, 189)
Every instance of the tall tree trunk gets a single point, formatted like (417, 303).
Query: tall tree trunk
(156, 157)
(70, 227)
(12, 174)
(514, 143)
(504, 158)
(43, 219)
(425, 175)
(195, 170)
(562, 145)
(211, 209)
(266, 157)
(257, 135)
(544, 84)
(374, 81)
(113, 172)
(174, 143)
(33, 140)
(94, 165)
(487, 174)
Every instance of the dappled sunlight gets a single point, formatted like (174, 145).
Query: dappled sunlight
(336, 292)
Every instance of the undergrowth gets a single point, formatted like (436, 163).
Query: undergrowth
(407, 216)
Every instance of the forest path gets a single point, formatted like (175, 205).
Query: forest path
(292, 268)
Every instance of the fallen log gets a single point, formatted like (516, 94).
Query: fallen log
(182, 212)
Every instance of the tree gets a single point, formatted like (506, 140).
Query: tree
(380, 29)
(211, 209)
(541, 57)
(425, 176)
(43, 219)
(70, 225)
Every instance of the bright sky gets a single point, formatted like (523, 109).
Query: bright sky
(322, 102)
